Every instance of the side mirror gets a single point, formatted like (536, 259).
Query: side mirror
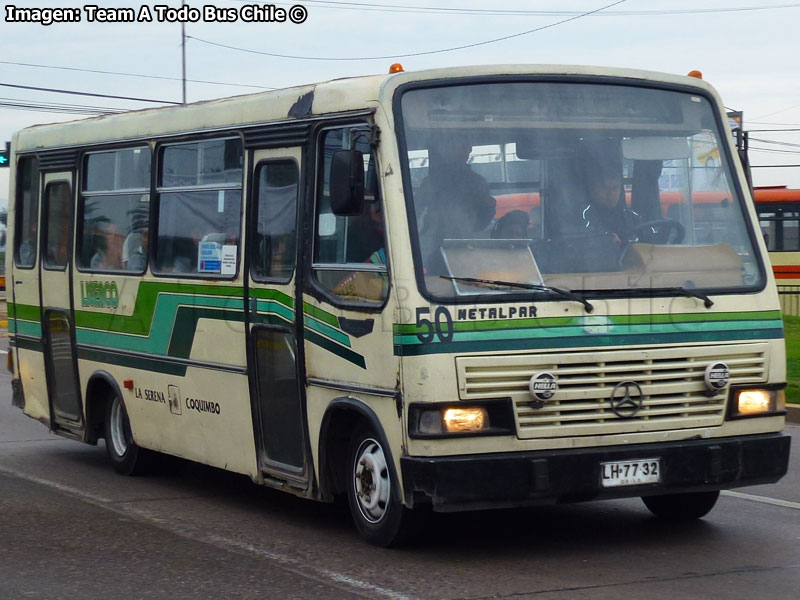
(347, 183)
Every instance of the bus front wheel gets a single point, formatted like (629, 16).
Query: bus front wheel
(378, 515)
(126, 457)
(681, 507)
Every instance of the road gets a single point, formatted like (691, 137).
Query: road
(71, 528)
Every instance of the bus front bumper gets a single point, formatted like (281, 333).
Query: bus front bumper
(477, 481)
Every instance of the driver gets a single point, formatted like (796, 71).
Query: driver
(607, 211)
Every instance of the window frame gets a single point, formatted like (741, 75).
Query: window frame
(36, 177)
(316, 287)
(726, 155)
(78, 228)
(157, 190)
(253, 216)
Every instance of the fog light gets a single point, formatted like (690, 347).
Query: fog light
(464, 420)
(753, 402)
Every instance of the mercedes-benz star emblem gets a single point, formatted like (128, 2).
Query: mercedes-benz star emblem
(626, 399)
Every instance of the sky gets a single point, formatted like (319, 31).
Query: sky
(747, 50)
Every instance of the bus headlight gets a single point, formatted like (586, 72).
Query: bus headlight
(465, 420)
(488, 417)
(753, 402)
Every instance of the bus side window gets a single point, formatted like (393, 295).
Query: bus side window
(199, 206)
(276, 221)
(27, 213)
(114, 211)
(350, 252)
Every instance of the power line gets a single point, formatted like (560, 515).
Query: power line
(400, 8)
(12, 103)
(772, 166)
(465, 46)
(20, 64)
(772, 150)
(775, 142)
(57, 91)
(771, 130)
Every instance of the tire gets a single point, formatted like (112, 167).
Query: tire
(681, 507)
(372, 494)
(126, 457)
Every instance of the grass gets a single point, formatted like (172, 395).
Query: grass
(792, 330)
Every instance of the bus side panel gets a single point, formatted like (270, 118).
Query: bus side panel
(179, 345)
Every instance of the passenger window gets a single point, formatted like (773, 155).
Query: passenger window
(27, 213)
(199, 208)
(115, 211)
(58, 204)
(350, 252)
(276, 221)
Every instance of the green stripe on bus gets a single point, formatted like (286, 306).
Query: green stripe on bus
(134, 362)
(497, 345)
(29, 312)
(336, 349)
(604, 330)
(148, 298)
(487, 325)
(25, 328)
(320, 314)
(328, 331)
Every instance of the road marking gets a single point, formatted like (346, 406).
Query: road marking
(3, 351)
(763, 499)
(299, 567)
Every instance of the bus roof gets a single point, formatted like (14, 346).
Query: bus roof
(288, 104)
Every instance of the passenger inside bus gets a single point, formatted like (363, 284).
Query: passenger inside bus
(107, 243)
(454, 202)
(512, 226)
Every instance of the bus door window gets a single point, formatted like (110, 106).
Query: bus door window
(276, 218)
(350, 252)
(59, 219)
(199, 207)
(27, 214)
(115, 211)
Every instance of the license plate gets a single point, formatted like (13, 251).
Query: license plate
(630, 472)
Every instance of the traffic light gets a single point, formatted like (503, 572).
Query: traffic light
(5, 155)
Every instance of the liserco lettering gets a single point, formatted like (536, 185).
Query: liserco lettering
(99, 294)
(203, 406)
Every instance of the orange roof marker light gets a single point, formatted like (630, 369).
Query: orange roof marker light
(695, 73)
(396, 68)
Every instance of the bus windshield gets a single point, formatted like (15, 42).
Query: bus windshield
(582, 186)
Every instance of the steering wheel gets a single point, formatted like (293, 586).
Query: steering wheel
(659, 231)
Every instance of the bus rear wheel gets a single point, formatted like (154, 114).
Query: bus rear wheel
(378, 515)
(681, 507)
(126, 457)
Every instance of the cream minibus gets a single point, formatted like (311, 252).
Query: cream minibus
(454, 289)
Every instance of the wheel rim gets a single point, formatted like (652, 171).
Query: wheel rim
(118, 440)
(371, 481)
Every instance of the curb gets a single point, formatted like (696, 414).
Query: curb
(793, 413)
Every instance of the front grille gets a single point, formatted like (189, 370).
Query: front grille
(671, 379)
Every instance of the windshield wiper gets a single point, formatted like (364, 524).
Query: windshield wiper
(707, 302)
(684, 291)
(526, 286)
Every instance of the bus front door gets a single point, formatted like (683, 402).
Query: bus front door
(57, 313)
(276, 388)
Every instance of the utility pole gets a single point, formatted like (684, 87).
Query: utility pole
(183, 53)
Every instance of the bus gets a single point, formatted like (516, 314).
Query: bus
(326, 289)
(778, 209)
